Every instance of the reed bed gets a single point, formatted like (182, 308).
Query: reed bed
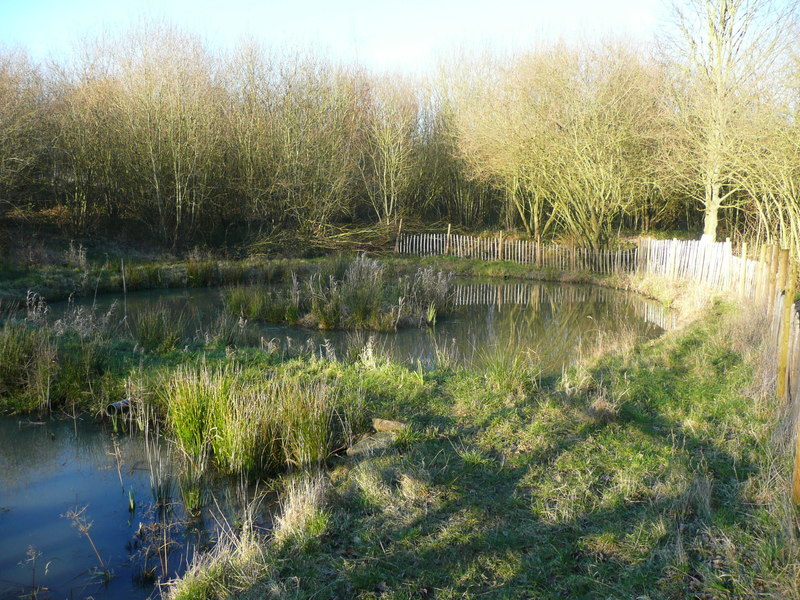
(356, 295)
(27, 365)
(257, 423)
(158, 328)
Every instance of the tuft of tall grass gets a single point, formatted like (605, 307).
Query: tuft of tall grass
(190, 396)
(430, 293)
(225, 331)
(253, 425)
(510, 369)
(327, 307)
(362, 292)
(28, 366)
(246, 434)
(261, 303)
(302, 517)
(306, 412)
(236, 564)
(158, 328)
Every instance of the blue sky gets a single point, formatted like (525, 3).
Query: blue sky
(405, 35)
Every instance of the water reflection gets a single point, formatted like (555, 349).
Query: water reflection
(555, 321)
(52, 468)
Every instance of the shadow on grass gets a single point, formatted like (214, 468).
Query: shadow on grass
(560, 504)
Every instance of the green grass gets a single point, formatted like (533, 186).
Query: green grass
(353, 294)
(655, 471)
(158, 328)
(651, 473)
(27, 366)
(257, 421)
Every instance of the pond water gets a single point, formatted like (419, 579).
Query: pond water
(51, 469)
(554, 322)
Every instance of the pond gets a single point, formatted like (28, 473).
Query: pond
(555, 322)
(62, 476)
(78, 499)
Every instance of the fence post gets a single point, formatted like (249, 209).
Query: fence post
(786, 325)
(743, 270)
(397, 240)
(500, 247)
(447, 243)
(773, 276)
(759, 274)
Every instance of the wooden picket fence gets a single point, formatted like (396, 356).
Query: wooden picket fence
(524, 252)
(764, 277)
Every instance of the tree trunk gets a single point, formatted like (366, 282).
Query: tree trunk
(711, 216)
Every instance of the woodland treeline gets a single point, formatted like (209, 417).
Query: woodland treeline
(156, 130)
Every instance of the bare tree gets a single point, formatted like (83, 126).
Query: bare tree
(20, 120)
(724, 50)
(389, 142)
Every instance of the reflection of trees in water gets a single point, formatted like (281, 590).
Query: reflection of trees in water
(555, 323)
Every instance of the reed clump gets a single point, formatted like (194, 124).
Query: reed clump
(256, 422)
(28, 366)
(355, 295)
(158, 328)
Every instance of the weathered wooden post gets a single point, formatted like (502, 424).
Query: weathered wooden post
(743, 270)
(500, 247)
(397, 240)
(783, 265)
(786, 326)
(773, 277)
(760, 272)
(447, 241)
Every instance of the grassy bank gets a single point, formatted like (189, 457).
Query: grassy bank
(656, 471)
(59, 282)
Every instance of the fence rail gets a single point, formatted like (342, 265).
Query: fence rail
(766, 279)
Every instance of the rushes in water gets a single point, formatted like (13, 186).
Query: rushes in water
(327, 307)
(363, 287)
(225, 331)
(305, 418)
(255, 425)
(236, 563)
(158, 328)
(28, 365)
(430, 288)
(357, 295)
(189, 397)
(260, 302)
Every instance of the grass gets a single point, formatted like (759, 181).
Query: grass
(158, 328)
(355, 294)
(27, 365)
(256, 421)
(656, 470)
(651, 472)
